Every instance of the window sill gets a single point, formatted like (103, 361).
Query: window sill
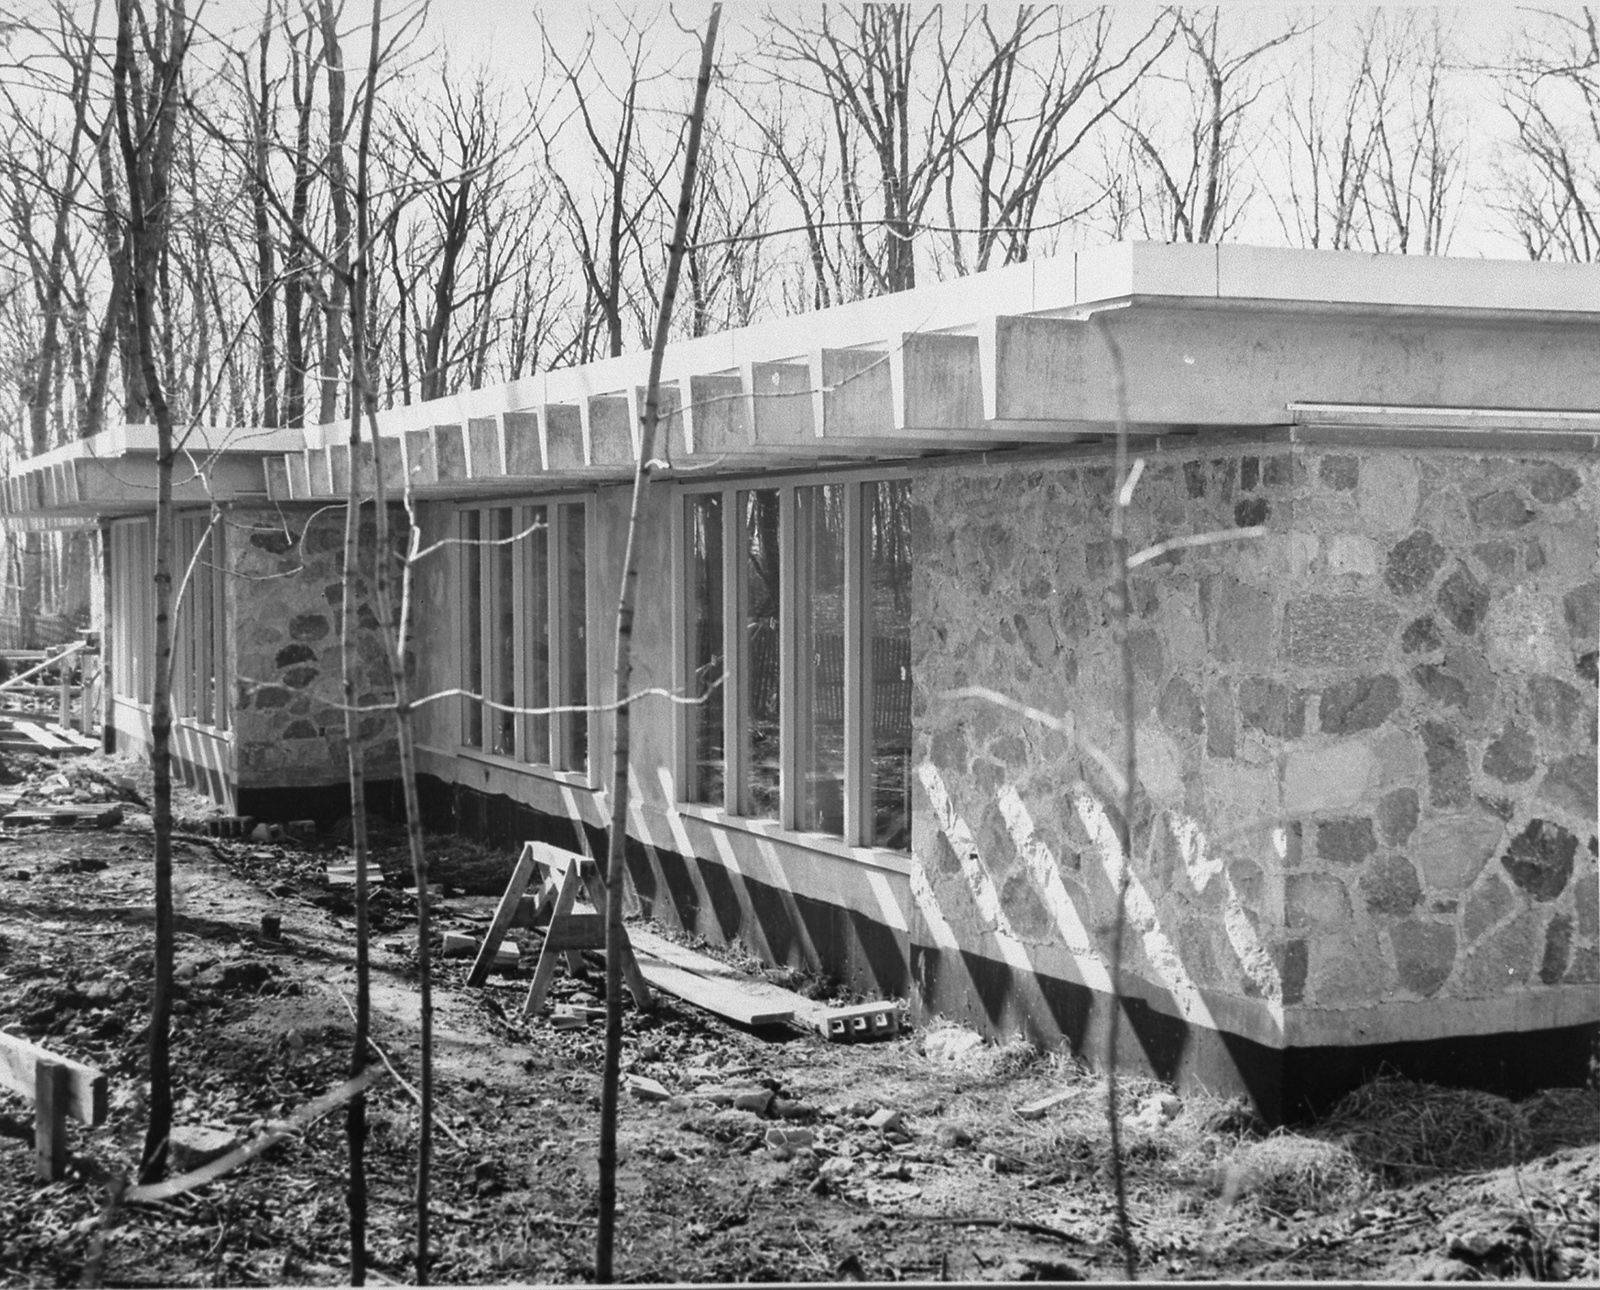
(897, 862)
(567, 778)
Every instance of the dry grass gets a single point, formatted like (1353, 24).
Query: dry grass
(1287, 1172)
(1409, 1131)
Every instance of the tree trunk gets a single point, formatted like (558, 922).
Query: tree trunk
(616, 852)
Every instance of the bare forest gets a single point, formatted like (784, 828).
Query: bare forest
(520, 222)
(273, 215)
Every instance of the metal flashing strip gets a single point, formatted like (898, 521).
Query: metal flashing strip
(1477, 429)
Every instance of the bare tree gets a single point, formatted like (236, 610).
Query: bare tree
(147, 86)
(1550, 176)
(1418, 137)
(605, 221)
(1191, 182)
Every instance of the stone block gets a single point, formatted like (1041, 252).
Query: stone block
(1340, 473)
(1314, 900)
(1569, 785)
(1540, 859)
(1349, 553)
(1487, 905)
(309, 627)
(1270, 707)
(1586, 897)
(1503, 959)
(1249, 473)
(1509, 757)
(1397, 815)
(1337, 631)
(1449, 778)
(1582, 609)
(1243, 632)
(1550, 483)
(1524, 634)
(1347, 841)
(1348, 968)
(1502, 509)
(1329, 778)
(1557, 950)
(1440, 688)
(1179, 709)
(1291, 960)
(1387, 494)
(1241, 794)
(1221, 722)
(1424, 954)
(289, 655)
(1452, 849)
(1412, 562)
(1421, 636)
(1463, 600)
(1390, 886)
(1556, 706)
(1361, 703)
(1250, 511)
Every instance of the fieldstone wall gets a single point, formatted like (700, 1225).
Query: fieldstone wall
(285, 602)
(1367, 770)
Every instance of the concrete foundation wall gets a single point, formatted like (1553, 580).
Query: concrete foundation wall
(285, 596)
(1366, 743)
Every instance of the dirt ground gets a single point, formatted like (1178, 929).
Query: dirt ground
(1406, 1183)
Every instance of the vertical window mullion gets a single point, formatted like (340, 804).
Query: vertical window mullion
(222, 672)
(557, 584)
(521, 518)
(678, 563)
(857, 678)
(735, 653)
(788, 730)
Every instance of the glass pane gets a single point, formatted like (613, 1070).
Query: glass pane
(819, 657)
(708, 763)
(502, 562)
(888, 605)
(762, 605)
(575, 640)
(536, 622)
(472, 630)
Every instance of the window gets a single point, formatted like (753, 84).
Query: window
(524, 632)
(133, 619)
(199, 680)
(796, 639)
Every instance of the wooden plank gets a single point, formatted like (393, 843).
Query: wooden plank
(546, 967)
(86, 1091)
(749, 1004)
(52, 1082)
(503, 914)
(49, 741)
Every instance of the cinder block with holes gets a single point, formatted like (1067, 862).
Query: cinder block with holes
(862, 1021)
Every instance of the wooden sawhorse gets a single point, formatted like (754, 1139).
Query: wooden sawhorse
(562, 874)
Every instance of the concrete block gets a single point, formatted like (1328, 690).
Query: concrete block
(192, 1146)
(861, 1021)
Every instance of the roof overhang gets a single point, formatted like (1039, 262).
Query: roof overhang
(1196, 337)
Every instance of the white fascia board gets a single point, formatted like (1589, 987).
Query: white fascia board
(120, 441)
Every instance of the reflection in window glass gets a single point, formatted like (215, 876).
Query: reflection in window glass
(574, 644)
(472, 636)
(819, 657)
(708, 765)
(536, 622)
(502, 563)
(762, 605)
(888, 608)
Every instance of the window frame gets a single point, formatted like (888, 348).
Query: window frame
(555, 758)
(201, 681)
(858, 785)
